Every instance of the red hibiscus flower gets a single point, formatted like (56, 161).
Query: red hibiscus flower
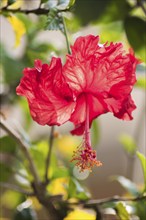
(94, 80)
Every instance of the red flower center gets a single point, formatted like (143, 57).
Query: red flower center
(85, 156)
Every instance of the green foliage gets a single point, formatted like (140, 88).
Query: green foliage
(75, 190)
(142, 159)
(25, 214)
(89, 11)
(7, 145)
(95, 132)
(54, 20)
(8, 196)
(121, 211)
(128, 143)
(141, 82)
(39, 158)
(140, 209)
(60, 4)
(115, 11)
(5, 171)
(135, 31)
(128, 185)
(112, 31)
(10, 2)
(60, 172)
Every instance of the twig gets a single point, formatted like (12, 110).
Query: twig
(38, 11)
(49, 153)
(24, 147)
(91, 203)
(16, 188)
(114, 199)
(140, 4)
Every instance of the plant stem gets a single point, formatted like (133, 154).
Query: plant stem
(23, 146)
(38, 11)
(95, 202)
(140, 4)
(66, 37)
(49, 153)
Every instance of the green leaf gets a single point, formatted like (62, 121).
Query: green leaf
(127, 184)
(115, 11)
(8, 196)
(7, 145)
(140, 207)
(39, 160)
(95, 132)
(111, 31)
(135, 31)
(141, 82)
(12, 67)
(142, 159)
(11, 2)
(89, 11)
(60, 4)
(44, 1)
(60, 172)
(54, 21)
(128, 143)
(5, 171)
(121, 211)
(71, 3)
(25, 214)
(75, 190)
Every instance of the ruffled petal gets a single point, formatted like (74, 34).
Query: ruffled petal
(47, 100)
(78, 70)
(125, 112)
(84, 47)
(112, 66)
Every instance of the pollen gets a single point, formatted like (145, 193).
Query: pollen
(85, 158)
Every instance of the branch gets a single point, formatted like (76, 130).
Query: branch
(140, 4)
(49, 153)
(96, 202)
(16, 188)
(114, 199)
(38, 11)
(24, 147)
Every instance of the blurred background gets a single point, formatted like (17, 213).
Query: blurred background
(115, 140)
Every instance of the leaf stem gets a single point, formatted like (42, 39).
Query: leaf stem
(65, 34)
(49, 153)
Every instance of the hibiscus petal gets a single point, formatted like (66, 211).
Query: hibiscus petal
(47, 103)
(38, 65)
(84, 47)
(96, 108)
(125, 112)
(78, 68)
(111, 67)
